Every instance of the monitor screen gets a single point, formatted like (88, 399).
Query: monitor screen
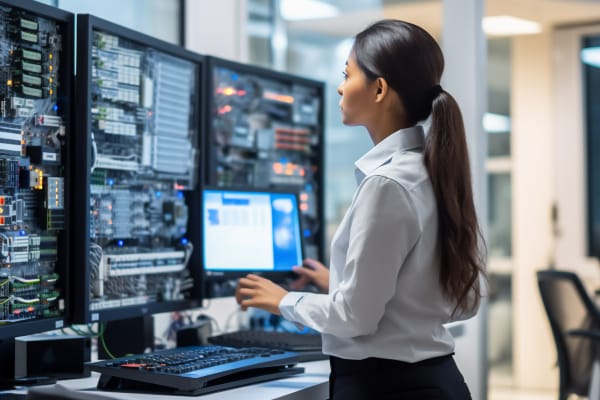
(36, 48)
(250, 231)
(139, 136)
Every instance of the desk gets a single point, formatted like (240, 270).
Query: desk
(313, 384)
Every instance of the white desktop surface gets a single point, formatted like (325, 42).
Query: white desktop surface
(313, 384)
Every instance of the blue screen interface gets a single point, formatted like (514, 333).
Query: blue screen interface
(250, 231)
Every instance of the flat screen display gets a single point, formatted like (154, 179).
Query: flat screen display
(250, 231)
(138, 123)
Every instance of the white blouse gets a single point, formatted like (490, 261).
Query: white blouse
(384, 297)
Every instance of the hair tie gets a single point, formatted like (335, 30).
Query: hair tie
(435, 91)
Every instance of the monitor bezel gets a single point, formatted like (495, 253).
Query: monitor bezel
(67, 21)
(86, 23)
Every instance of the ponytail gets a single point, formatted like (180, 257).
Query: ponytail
(447, 161)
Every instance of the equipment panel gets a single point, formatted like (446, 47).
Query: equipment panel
(33, 132)
(143, 145)
(266, 131)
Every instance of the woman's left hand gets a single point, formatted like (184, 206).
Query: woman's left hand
(259, 292)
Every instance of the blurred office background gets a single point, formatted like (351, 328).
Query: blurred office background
(535, 159)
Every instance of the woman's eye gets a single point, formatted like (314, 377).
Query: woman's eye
(345, 75)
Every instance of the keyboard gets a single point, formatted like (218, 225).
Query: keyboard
(194, 370)
(308, 346)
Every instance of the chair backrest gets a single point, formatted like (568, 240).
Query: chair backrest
(569, 307)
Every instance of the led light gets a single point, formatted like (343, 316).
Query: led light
(282, 98)
(506, 25)
(278, 168)
(227, 91)
(224, 110)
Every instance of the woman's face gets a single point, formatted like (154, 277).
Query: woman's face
(358, 95)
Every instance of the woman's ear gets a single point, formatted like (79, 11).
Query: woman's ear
(382, 89)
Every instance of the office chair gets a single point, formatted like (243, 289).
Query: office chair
(575, 323)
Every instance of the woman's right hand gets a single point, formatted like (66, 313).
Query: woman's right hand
(311, 271)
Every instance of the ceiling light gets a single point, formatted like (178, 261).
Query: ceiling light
(295, 10)
(506, 25)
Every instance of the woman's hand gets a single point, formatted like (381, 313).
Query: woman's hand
(312, 271)
(259, 292)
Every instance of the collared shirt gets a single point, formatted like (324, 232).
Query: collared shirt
(384, 296)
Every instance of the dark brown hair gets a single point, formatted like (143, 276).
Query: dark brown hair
(411, 62)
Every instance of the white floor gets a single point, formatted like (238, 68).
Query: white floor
(500, 387)
(513, 394)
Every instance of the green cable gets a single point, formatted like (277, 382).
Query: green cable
(104, 346)
(78, 331)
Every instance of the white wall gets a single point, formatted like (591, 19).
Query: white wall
(217, 28)
(533, 167)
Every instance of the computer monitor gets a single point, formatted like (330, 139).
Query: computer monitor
(36, 43)
(137, 151)
(265, 130)
(249, 231)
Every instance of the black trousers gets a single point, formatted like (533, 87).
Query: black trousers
(382, 379)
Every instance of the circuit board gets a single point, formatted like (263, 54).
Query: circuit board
(33, 130)
(144, 159)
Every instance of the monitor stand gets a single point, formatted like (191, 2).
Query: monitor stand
(7, 369)
(127, 336)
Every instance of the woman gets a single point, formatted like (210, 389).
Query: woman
(406, 258)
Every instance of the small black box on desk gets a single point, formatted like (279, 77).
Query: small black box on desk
(59, 356)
